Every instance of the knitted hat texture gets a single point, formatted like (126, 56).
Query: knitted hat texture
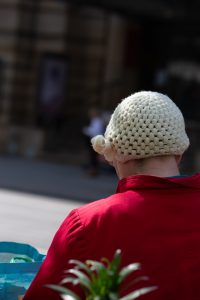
(145, 124)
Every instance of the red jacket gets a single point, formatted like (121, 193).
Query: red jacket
(154, 221)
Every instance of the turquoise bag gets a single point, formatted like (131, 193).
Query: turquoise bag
(19, 264)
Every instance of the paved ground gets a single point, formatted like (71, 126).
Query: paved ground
(54, 180)
(36, 196)
(30, 218)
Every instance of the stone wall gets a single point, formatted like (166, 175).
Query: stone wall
(91, 40)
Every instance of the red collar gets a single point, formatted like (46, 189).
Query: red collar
(152, 182)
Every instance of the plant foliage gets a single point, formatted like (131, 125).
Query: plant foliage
(100, 280)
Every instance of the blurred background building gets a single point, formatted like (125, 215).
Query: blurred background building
(58, 58)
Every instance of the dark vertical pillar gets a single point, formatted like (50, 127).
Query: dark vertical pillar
(25, 55)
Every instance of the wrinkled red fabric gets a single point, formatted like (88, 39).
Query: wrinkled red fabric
(153, 220)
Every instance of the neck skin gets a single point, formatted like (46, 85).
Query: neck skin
(160, 166)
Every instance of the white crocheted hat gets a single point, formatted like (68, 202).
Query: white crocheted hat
(145, 124)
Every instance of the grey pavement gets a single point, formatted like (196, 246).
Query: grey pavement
(56, 180)
(36, 196)
(31, 219)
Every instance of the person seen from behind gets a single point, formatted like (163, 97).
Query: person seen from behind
(154, 216)
(94, 128)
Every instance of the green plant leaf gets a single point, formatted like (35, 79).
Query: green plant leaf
(63, 291)
(69, 280)
(134, 281)
(105, 261)
(128, 270)
(67, 297)
(138, 293)
(115, 263)
(84, 280)
(80, 265)
(95, 265)
(93, 298)
(113, 296)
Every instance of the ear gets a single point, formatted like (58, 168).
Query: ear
(178, 159)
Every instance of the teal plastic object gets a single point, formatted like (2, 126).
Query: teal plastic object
(19, 263)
